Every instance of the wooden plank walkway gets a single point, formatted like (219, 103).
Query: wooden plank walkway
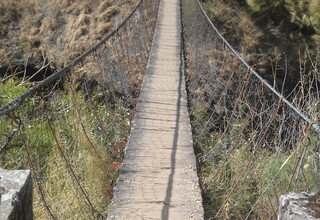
(158, 179)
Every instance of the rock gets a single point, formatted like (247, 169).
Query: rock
(15, 195)
(299, 206)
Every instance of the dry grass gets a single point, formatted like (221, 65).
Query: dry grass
(239, 29)
(103, 28)
(251, 147)
(274, 49)
(108, 13)
(66, 200)
(73, 137)
(57, 30)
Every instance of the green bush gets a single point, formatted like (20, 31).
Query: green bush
(263, 5)
(304, 14)
(10, 89)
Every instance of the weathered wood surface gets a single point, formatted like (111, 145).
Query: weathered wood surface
(158, 179)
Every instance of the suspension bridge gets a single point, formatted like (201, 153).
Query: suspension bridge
(158, 176)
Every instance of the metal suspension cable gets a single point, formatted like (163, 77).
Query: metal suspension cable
(13, 105)
(250, 68)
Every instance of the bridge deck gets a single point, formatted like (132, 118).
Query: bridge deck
(158, 179)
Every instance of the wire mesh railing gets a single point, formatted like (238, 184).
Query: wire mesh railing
(71, 128)
(252, 143)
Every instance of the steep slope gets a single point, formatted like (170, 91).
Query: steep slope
(35, 30)
(274, 39)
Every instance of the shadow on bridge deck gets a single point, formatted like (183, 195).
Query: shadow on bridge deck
(158, 179)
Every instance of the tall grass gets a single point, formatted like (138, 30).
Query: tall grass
(67, 122)
(251, 146)
(34, 30)
(72, 133)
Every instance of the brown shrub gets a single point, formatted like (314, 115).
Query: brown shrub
(109, 13)
(54, 28)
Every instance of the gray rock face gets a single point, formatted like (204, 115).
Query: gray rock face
(299, 206)
(15, 195)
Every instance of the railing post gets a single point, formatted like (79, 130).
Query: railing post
(15, 195)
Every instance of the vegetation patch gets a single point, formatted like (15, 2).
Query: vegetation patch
(61, 137)
(269, 36)
(251, 146)
(72, 133)
(34, 30)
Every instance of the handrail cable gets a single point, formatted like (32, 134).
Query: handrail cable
(13, 105)
(315, 126)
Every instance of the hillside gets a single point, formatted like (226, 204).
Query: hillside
(36, 31)
(72, 133)
(251, 146)
(276, 37)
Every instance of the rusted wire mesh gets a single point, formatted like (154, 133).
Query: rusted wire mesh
(252, 146)
(71, 132)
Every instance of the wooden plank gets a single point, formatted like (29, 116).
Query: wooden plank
(158, 179)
